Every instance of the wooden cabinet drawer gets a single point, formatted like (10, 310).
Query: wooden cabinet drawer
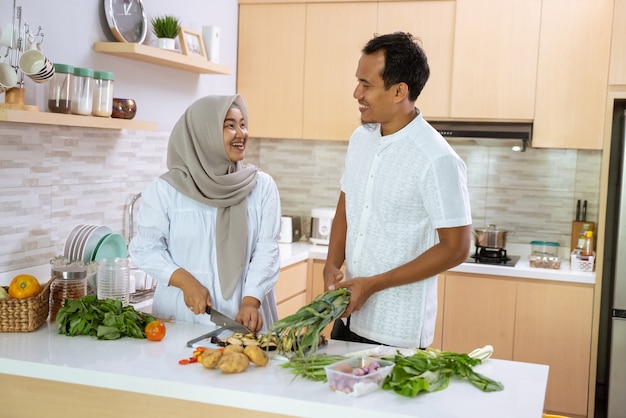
(292, 280)
(291, 305)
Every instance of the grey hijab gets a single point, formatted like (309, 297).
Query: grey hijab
(200, 169)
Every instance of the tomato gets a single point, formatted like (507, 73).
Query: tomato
(24, 286)
(155, 330)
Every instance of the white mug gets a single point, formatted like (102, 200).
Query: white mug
(8, 77)
(5, 38)
(36, 66)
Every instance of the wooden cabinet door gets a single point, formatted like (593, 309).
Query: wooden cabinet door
(553, 327)
(335, 35)
(572, 74)
(479, 311)
(270, 72)
(495, 59)
(617, 68)
(433, 23)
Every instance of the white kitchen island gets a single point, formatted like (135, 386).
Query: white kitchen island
(43, 373)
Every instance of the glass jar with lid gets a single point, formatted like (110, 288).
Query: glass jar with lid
(60, 89)
(102, 93)
(69, 282)
(82, 92)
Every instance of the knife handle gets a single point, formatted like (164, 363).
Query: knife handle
(584, 213)
(190, 343)
(578, 210)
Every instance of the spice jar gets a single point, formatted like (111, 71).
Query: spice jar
(102, 93)
(69, 282)
(82, 92)
(59, 89)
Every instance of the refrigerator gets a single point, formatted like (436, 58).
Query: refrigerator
(611, 376)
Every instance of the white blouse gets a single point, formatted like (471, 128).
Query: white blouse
(175, 231)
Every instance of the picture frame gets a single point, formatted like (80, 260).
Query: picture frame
(191, 43)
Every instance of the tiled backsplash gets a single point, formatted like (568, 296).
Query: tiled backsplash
(53, 177)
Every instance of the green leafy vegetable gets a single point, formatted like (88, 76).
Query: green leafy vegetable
(305, 326)
(106, 319)
(430, 370)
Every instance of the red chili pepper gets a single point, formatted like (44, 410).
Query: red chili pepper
(183, 361)
(193, 359)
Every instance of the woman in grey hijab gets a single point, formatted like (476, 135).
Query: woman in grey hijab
(208, 227)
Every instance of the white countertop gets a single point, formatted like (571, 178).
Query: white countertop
(152, 368)
(299, 251)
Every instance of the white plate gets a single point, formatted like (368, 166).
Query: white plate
(92, 240)
(70, 239)
(74, 242)
(81, 239)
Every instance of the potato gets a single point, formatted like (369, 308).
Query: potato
(210, 358)
(256, 355)
(233, 362)
(233, 349)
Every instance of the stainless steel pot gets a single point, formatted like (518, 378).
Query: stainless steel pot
(490, 237)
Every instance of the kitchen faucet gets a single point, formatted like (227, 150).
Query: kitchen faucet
(131, 216)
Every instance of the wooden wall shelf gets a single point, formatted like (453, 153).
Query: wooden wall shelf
(48, 118)
(161, 57)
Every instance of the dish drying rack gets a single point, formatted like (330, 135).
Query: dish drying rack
(21, 40)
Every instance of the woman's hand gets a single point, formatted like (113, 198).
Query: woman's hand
(196, 296)
(332, 276)
(249, 315)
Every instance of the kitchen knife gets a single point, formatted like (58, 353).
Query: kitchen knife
(223, 322)
(584, 212)
(578, 211)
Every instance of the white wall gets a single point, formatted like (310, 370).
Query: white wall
(162, 94)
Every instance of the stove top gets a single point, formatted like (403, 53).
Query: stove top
(508, 261)
(493, 256)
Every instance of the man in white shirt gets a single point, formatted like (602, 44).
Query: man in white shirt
(403, 215)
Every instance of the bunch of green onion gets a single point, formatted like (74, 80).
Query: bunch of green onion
(304, 327)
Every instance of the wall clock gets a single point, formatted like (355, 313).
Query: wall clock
(127, 20)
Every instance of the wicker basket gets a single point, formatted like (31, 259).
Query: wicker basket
(25, 315)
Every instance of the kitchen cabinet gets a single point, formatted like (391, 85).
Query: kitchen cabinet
(309, 93)
(158, 56)
(526, 320)
(617, 66)
(495, 59)
(437, 39)
(270, 73)
(479, 310)
(553, 326)
(331, 57)
(291, 289)
(572, 74)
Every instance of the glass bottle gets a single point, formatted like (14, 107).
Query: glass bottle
(102, 93)
(59, 89)
(82, 92)
(587, 250)
(70, 282)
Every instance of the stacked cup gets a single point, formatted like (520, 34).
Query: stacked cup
(36, 66)
(113, 279)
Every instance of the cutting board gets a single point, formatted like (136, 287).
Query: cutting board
(577, 227)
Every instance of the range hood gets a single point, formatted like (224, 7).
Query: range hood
(516, 135)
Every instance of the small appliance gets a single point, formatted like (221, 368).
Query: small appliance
(321, 222)
(290, 229)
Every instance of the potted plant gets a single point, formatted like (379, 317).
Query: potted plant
(166, 29)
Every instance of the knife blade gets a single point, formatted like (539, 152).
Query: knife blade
(225, 322)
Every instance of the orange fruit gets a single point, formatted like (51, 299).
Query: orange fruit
(24, 286)
(155, 330)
